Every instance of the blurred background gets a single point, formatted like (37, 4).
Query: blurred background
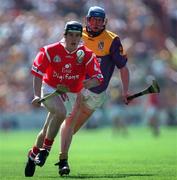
(148, 31)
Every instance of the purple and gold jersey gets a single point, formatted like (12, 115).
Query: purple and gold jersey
(108, 48)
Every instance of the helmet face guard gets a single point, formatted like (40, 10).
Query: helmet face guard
(96, 13)
(73, 26)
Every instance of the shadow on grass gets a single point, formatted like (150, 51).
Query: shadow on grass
(108, 176)
(111, 176)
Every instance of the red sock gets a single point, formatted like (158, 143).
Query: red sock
(33, 152)
(47, 144)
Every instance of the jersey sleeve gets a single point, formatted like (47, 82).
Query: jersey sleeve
(93, 68)
(40, 64)
(117, 53)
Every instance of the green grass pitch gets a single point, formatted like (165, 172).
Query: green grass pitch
(96, 155)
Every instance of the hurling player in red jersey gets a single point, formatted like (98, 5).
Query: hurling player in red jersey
(63, 63)
(108, 48)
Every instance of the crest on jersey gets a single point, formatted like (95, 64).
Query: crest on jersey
(80, 56)
(101, 45)
(57, 59)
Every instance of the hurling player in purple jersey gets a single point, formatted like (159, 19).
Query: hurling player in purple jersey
(109, 51)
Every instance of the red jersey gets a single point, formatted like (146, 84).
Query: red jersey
(55, 65)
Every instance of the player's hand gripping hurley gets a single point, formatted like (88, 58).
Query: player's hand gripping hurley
(154, 88)
(60, 90)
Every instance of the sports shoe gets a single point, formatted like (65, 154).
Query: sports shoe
(63, 167)
(30, 168)
(41, 157)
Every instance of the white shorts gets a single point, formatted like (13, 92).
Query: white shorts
(93, 100)
(69, 102)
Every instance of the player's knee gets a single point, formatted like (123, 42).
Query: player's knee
(60, 115)
(58, 112)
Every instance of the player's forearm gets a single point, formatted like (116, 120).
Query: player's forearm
(124, 73)
(37, 83)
